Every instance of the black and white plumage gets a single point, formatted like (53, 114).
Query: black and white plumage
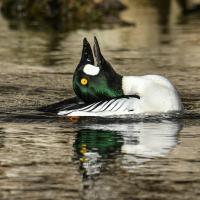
(104, 92)
(121, 106)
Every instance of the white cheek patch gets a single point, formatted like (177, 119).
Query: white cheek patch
(91, 70)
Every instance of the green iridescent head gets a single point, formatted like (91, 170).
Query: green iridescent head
(95, 83)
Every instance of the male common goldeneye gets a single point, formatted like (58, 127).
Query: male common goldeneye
(103, 92)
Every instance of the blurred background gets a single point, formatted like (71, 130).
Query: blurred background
(41, 44)
(42, 157)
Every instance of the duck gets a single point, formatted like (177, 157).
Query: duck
(101, 91)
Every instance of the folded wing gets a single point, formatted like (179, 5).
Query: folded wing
(121, 106)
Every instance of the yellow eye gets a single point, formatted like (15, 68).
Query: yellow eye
(84, 81)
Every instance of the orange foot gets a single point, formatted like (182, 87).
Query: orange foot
(73, 119)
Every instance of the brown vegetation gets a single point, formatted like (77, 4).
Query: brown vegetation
(62, 14)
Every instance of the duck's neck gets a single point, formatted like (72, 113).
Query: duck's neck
(131, 85)
(115, 84)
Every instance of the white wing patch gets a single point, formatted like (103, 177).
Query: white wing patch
(91, 70)
(120, 106)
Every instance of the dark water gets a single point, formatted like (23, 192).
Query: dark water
(45, 157)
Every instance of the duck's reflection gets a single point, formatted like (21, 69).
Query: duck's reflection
(133, 143)
(93, 145)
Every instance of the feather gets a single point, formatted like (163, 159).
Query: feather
(120, 106)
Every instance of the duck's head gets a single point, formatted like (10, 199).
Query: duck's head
(95, 82)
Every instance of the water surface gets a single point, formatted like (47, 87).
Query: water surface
(45, 157)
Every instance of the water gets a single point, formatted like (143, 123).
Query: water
(46, 157)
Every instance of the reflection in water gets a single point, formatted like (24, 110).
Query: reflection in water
(52, 48)
(2, 138)
(92, 145)
(54, 54)
(137, 143)
(164, 11)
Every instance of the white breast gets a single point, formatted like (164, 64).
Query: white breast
(157, 94)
